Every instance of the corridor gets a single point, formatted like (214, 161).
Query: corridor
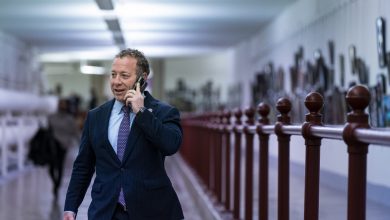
(26, 195)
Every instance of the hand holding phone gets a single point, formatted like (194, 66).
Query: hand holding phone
(134, 97)
(142, 83)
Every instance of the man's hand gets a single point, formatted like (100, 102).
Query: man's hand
(135, 98)
(69, 216)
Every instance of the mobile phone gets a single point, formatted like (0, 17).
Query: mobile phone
(142, 83)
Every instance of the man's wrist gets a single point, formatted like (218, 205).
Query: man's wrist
(141, 110)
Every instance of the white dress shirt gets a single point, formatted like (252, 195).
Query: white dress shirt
(115, 121)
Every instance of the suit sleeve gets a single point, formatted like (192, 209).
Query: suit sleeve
(165, 133)
(83, 170)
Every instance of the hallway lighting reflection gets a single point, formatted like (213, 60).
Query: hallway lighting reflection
(87, 69)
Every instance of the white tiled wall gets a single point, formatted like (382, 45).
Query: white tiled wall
(19, 67)
(312, 23)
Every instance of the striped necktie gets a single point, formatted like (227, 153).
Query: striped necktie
(124, 130)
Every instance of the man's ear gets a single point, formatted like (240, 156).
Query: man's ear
(145, 76)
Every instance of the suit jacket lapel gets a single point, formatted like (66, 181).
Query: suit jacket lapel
(132, 139)
(149, 103)
(105, 115)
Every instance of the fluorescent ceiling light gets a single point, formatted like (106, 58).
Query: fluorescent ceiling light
(156, 10)
(87, 69)
(104, 53)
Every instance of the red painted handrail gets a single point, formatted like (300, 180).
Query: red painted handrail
(207, 149)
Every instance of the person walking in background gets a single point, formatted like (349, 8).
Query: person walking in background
(125, 142)
(93, 99)
(74, 103)
(66, 133)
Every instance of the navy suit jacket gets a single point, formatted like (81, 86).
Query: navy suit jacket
(149, 194)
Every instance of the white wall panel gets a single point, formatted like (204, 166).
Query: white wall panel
(19, 67)
(196, 71)
(312, 23)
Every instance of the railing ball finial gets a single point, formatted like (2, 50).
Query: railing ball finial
(221, 116)
(208, 117)
(215, 117)
(238, 115)
(263, 110)
(283, 106)
(250, 115)
(227, 115)
(314, 102)
(358, 97)
(212, 117)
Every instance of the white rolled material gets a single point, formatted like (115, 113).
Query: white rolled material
(26, 102)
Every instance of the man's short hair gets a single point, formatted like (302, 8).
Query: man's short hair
(142, 62)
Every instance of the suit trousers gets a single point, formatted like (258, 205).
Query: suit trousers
(120, 213)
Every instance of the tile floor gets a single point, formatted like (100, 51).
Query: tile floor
(27, 195)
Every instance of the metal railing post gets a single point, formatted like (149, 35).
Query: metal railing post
(263, 109)
(237, 163)
(358, 98)
(284, 106)
(227, 159)
(314, 103)
(249, 136)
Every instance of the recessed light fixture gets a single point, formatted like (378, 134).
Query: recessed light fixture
(88, 69)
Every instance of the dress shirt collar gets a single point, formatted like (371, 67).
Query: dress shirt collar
(117, 108)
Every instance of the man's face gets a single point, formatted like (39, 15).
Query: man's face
(123, 76)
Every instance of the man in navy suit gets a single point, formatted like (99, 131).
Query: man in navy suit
(133, 186)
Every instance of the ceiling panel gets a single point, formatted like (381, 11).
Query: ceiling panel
(76, 28)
